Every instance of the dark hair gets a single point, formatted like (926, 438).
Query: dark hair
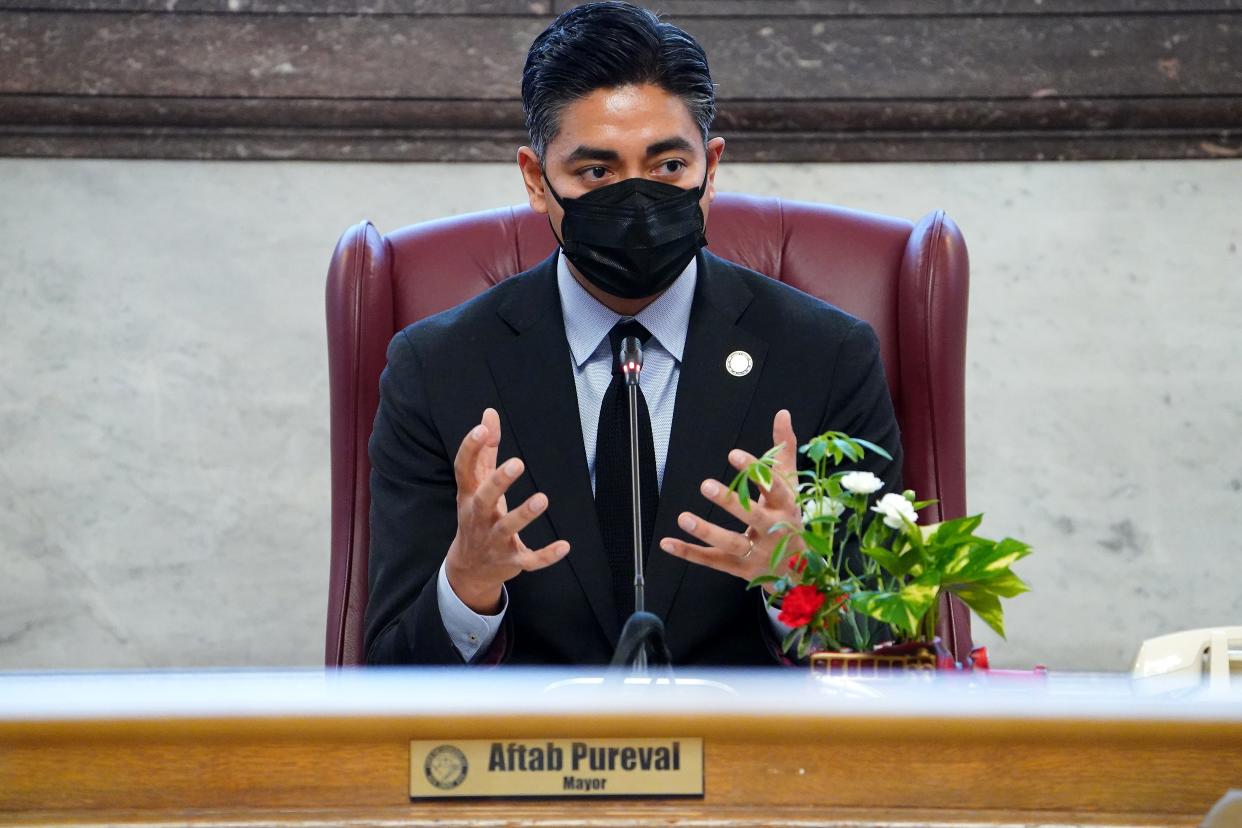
(605, 45)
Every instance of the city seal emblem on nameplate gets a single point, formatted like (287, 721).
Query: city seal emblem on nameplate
(556, 767)
(445, 767)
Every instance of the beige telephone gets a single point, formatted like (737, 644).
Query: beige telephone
(1177, 660)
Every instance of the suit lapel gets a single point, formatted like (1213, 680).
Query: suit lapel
(535, 380)
(711, 406)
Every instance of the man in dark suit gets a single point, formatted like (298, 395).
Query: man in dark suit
(506, 537)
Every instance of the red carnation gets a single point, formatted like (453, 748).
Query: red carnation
(797, 563)
(800, 605)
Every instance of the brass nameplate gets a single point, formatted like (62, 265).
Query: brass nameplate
(556, 767)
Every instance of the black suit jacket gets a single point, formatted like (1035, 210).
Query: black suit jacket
(507, 349)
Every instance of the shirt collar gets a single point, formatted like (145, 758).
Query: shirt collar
(588, 321)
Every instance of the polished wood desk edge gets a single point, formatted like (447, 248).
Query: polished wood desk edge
(589, 814)
(797, 727)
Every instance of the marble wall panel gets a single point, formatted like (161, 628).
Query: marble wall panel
(163, 408)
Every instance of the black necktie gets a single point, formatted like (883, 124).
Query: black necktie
(612, 473)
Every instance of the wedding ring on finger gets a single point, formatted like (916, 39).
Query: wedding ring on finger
(749, 549)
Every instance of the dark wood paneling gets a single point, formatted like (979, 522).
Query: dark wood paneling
(984, 57)
(927, 8)
(277, 56)
(413, 56)
(712, 8)
(1046, 114)
(798, 79)
(500, 145)
(540, 8)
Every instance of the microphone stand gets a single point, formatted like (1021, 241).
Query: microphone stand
(642, 629)
(632, 366)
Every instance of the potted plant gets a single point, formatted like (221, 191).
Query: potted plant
(857, 560)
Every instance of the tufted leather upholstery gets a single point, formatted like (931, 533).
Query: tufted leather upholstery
(909, 282)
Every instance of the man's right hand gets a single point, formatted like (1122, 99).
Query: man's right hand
(487, 551)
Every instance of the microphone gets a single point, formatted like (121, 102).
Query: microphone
(642, 629)
(631, 359)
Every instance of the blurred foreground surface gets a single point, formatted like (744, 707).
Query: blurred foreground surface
(779, 747)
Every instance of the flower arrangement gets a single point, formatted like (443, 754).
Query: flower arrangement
(854, 561)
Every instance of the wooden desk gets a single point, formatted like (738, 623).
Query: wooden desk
(309, 748)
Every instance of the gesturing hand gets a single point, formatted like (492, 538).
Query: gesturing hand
(487, 551)
(746, 555)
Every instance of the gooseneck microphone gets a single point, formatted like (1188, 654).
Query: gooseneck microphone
(631, 358)
(642, 630)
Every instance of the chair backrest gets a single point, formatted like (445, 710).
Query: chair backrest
(909, 281)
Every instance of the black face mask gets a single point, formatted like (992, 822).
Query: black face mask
(632, 239)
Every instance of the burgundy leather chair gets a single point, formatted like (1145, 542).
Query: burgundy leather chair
(909, 281)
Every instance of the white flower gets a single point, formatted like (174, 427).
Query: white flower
(894, 507)
(821, 507)
(863, 483)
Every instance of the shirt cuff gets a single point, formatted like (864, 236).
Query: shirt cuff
(470, 632)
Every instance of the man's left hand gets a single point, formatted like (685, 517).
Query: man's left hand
(746, 554)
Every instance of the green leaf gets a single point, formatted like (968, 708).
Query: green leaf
(891, 561)
(1015, 547)
(816, 564)
(743, 494)
(759, 471)
(823, 520)
(903, 610)
(790, 639)
(912, 559)
(887, 607)
(984, 559)
(1005, 584)
(877, 533)
(914, 537)
(818, 544)
(921, 593)
(867, 444)
(956, 530)
(985, 605)
(953, 560)
(849, 448)
(778, 553)
(816, 449)
(760, 580)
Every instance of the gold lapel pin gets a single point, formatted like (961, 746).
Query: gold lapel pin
(739, 363)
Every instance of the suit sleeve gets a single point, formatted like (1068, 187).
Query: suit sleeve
(413, 519)
(860, 406)
(859, 403)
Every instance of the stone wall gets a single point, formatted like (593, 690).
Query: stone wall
(163, 393)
